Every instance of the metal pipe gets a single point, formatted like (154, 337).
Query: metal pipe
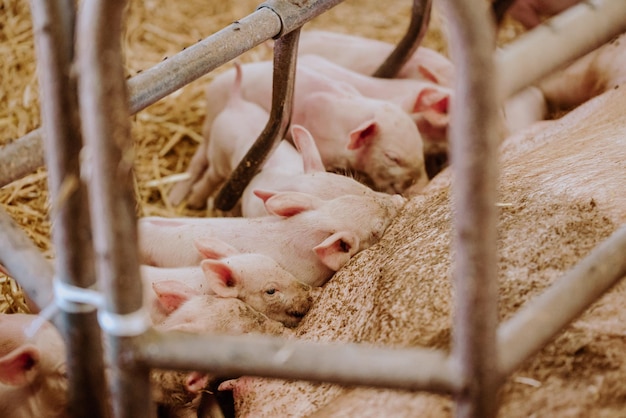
(537, 323)
(105, 114)
(271, 19)
(190, 64)
(262, 355)
(25, 263)
(285, 59)
(21, 157)
(420, 16)
(473, 150)
(53, 25)
(571, 34)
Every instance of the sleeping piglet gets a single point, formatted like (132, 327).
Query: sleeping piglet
(426, 101)
(290, 170)
(255, 279)
(179, 392)
(365, 55)
(311, 237)
(33, 381)
(353, 132)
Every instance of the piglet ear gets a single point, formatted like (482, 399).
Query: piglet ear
(220, 277)
(171, 294)
(290, 203)
(214, 248)
(196, 382)
(306, 145)
(335, 251)
(431, 99)
(430, 113)
(363, 135)
(20, 366)
(429, 75)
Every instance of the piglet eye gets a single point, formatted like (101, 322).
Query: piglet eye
(394, 159)
(270, 291)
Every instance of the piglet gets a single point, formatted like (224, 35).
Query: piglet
(255, 279)
(356, 133)
(310, 237)
(288, 170)
(228, 138)
(364, 55)
(426, 101)
(33, 381)
(177, 392)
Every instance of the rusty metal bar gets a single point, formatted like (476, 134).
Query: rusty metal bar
(104, 112)
(285, 58)
(262, 355)
(473, 141)
(420, 16)
(53, 25)
(537, 323)
(25, 263)
(571, 34)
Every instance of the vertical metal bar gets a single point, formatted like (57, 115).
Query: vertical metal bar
(420, 16)
(53, 23)
(285, 58)
(105, 114)
(473, 159)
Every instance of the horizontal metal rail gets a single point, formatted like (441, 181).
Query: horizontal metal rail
(261, 355)
(537, 323)
(567, 36)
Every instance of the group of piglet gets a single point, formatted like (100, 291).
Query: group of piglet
(300, 222)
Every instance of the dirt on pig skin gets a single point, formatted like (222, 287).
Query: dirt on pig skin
(562, 192)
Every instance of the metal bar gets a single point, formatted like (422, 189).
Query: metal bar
(473, 141)
(104, 111)
(21, 157)
(571, 34)
(271, 19)
(262, 355)
(537, 323)
(420, 16)
(190, 64)
(285, 58)
(53, 24)
(25, 263)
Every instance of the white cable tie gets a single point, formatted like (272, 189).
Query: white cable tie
(126, 325)
(75, 299)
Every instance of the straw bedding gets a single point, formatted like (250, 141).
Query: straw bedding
(166, 133)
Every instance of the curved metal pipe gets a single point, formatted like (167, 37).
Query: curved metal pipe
(285, 59)
(420, 16)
